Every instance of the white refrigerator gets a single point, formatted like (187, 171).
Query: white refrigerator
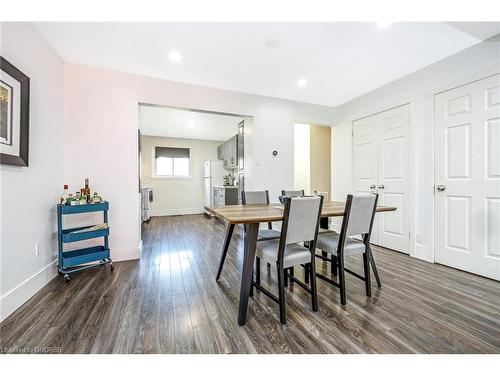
(213, 172)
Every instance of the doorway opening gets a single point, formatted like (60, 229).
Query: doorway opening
(312, 159)
(189, 159)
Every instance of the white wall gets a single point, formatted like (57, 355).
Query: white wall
(417, 89)
(105, 104)
(320, 163)
(301, 159)
(29, 195)
(177, 196)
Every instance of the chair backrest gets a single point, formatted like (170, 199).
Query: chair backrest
(360, 212)
(292, 193)
(255, 197)
(326, 195)
(301, 219)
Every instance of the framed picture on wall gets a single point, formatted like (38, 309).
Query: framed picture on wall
(14, 115)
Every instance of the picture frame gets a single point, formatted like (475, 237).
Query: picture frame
(14, 115)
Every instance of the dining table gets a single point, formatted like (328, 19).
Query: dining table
(251, 216)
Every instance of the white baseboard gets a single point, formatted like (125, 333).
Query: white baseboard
(16, 297)
(424, 253)
(176, 211)
(335, 227)
(119, 255)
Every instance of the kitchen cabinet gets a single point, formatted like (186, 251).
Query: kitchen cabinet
(228, 152)
(241, 147)
(220, 153)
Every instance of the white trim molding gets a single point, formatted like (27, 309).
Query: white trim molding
(20, 294)
(17, 296)
(119, 255)
(176, 211)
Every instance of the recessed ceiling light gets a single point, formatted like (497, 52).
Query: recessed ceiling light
(190, 124)
(383, 24)
(302, 82)
(273, 41)
(175, 56)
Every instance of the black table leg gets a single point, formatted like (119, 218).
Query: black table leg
(247, 271)
(225, 247)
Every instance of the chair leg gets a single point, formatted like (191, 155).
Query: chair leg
(334, 266)
(314, 292)
(343, 297)
(374, 266)
(268, 265)
(291, 272)
(281, 293)
(368, 282)
(306, 273)
(285, 271)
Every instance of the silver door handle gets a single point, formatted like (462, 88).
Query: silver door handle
(373, 186)
(441, 188)
(382, 187)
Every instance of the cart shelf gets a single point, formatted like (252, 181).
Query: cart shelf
(78, 209)
(79, 259)
(85, 255)
(68, 235)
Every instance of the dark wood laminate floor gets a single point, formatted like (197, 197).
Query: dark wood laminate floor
(169, 302)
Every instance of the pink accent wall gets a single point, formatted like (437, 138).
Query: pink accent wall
(101, 122)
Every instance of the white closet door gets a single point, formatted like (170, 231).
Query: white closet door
(365, 139)
(393, 178)
(380, 164)
(467, 177)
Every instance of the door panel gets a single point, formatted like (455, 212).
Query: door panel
(365, 160)
(380, 164)
(467, 171)
(492, 224)
(393, 179)
(457, 143)
(492, 148)
(457, 215)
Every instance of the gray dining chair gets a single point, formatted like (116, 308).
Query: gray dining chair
(289, 194)
(300, 224)
(292, 193)
(248, 198)
(260, 197)
(358, 220)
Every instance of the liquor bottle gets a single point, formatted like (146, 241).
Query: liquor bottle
(65, 194)
(82, 199)
(87, 190)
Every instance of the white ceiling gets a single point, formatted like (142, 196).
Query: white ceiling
(181, 123)
(340, 60)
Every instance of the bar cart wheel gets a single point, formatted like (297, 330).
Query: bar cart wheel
(67, 278)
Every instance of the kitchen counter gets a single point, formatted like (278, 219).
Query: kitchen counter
(225, 195)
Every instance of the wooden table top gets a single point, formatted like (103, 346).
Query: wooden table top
(261, 213)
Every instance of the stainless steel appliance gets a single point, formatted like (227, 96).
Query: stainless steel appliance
(146, 199)
(213, 171)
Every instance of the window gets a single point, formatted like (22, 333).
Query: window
(172, 162)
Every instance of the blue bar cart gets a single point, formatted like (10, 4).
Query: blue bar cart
(71, 261)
